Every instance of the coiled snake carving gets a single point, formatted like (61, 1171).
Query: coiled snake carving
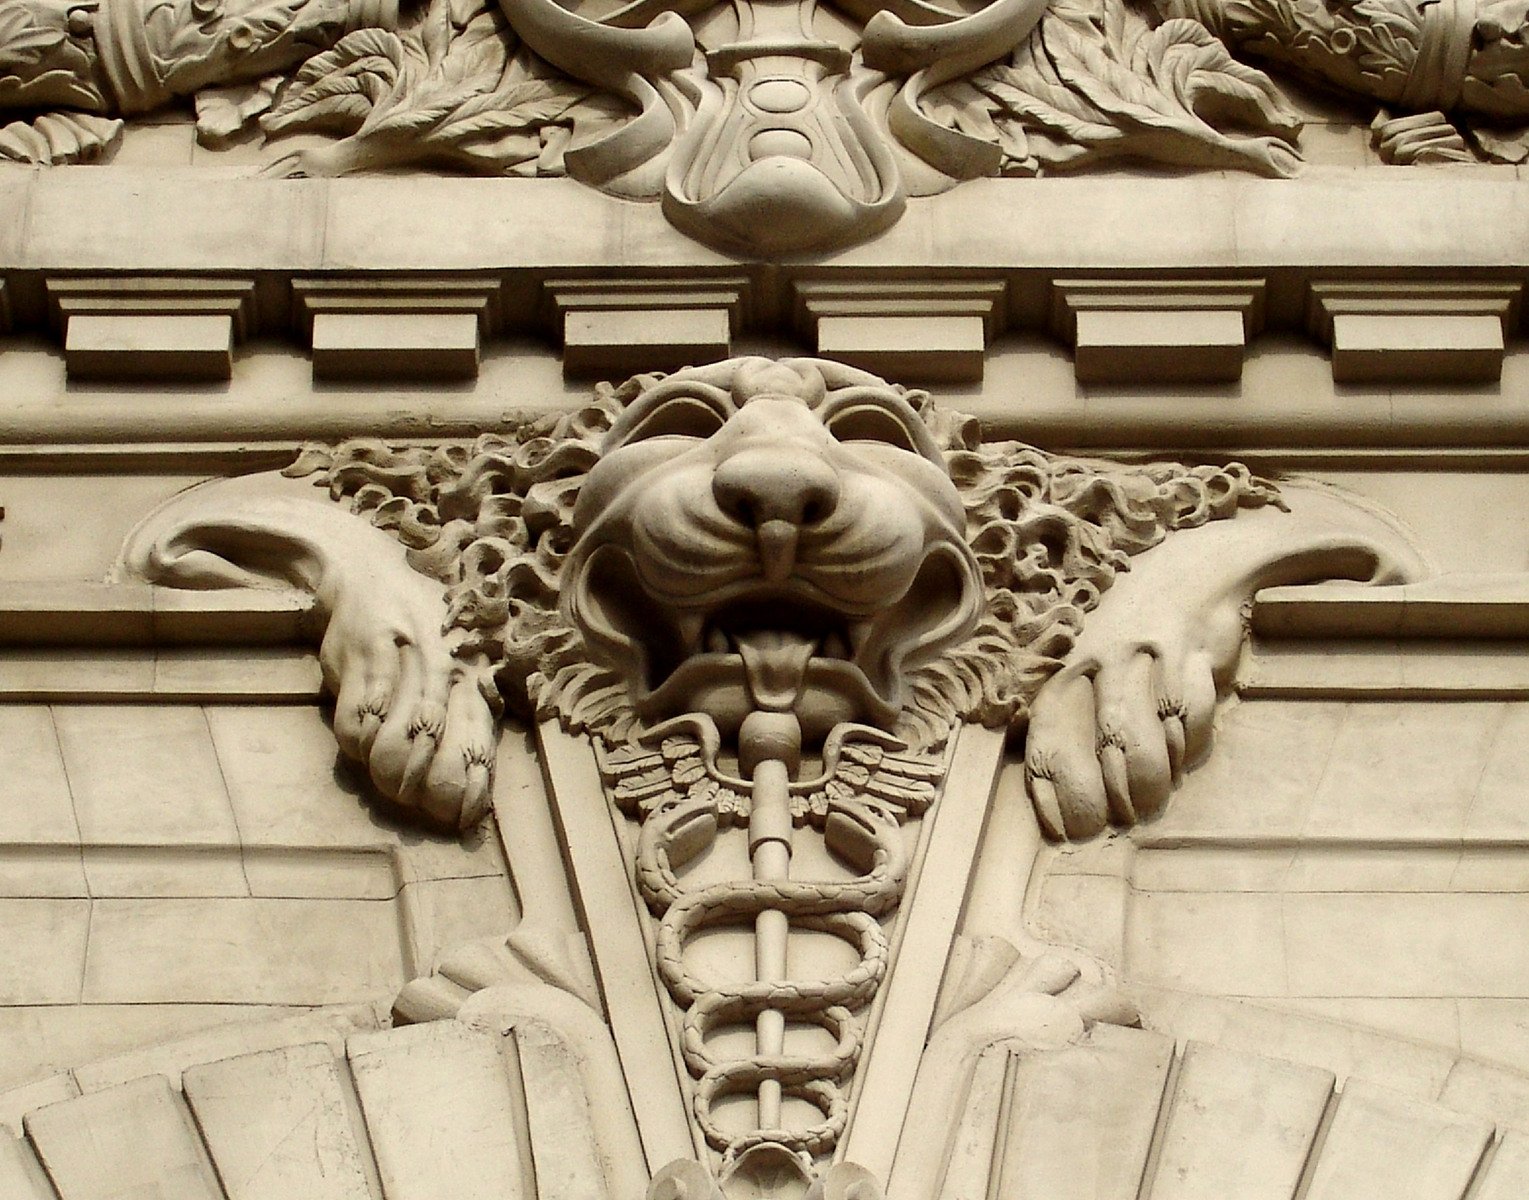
(857, 805)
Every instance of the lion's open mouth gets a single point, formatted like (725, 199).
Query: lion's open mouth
(735, 627)
(762, 645)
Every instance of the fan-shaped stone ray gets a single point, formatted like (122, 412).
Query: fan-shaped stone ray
(444, 1111)
(282, 1123)
(21, 1175)
(430, 1112)
(1122, 1117)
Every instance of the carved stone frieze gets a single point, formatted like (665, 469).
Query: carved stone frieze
(762, 128)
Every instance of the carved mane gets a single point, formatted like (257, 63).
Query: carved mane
(493, 522)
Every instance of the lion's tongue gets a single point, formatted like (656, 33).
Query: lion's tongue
(775, 662)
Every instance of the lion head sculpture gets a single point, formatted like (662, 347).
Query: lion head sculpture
(774, 533)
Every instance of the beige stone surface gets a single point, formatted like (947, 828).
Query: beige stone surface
(279, 1124)
(1238, 1127)
(149, 346)
(20, 1174)
(136, 1137)
(1084, 1120)
(441, 1113)
(1382, 1143)
(137, 951)
(1509, 1173)
(388, 345)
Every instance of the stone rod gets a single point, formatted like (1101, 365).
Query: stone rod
(769, 752)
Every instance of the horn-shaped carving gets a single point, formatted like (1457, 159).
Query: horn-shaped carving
(624, 61)
(937, 54)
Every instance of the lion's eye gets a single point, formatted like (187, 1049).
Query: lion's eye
(868, 423)
(681, 417)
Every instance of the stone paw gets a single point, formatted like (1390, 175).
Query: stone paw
(417, 718)
(1110, 737)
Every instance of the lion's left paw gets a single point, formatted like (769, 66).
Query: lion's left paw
(1109, 737)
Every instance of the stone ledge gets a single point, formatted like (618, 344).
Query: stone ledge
(1461, 607)
(98, 614)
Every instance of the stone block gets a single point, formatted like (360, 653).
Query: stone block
(38, 831)
(1493, 1093)
(1419, 944)
(383, 346)
(1143, 332)
(1220, 944)
(1240, 1127)
(416, 327)
(144, 775)
(615, 326)
(1385, 774)
(441, 1114)
(1413, 332)
(948, 348)
(1453, 607)
(618, 342)
(49, 673)
(1409, 348)
(145, 329)
(1269, 761)
(1159, 347)
(286, 781)
(250, 950)
(118, 348)
(77, 614)
(971, 1160)
(279, 1124)
(162, 221)
(134, 1140)
(562, 1135)
(442, 913)
(42, 954)
(931, 330)
(1082, 1119)
(293, 873)
(259, 674)
(71, 614)
(1382, 1144)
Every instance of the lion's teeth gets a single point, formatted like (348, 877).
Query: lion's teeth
(689, 626)
(859, 631)
(716, 641)
(835, 646)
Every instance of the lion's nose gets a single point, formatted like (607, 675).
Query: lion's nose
(758, 485)
(776, 492)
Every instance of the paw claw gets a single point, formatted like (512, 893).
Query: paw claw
(1117, 779)
(475, 796)
(421, 754)
(1047, 807)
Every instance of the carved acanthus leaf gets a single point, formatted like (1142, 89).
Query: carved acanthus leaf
(442, 92)
(43, 64)
(53, 139)
(1094, 83)
(223, 113)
